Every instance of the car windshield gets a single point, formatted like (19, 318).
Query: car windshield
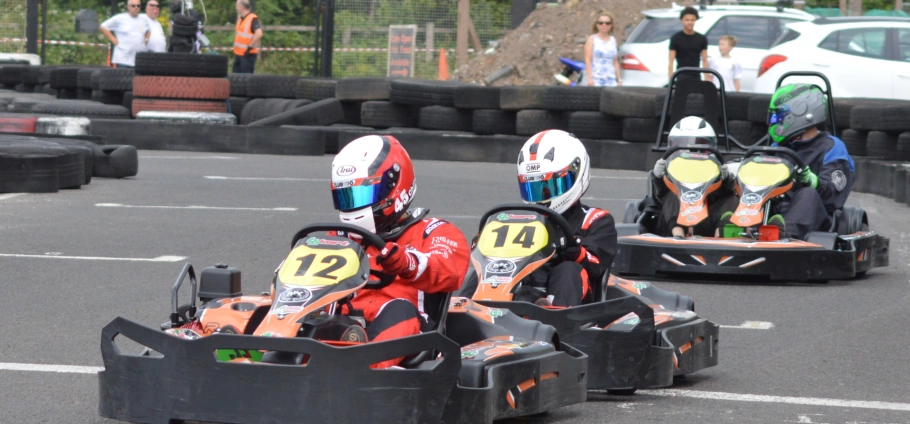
(655, 30)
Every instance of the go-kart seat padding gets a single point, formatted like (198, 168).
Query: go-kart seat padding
(712, 108)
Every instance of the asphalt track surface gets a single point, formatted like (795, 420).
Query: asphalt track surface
(837, 352)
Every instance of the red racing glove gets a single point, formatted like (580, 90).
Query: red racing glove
(394, 260)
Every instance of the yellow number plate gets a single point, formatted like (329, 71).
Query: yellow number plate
(309, 266)
(512, 239)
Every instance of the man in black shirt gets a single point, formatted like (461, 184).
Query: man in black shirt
(687, 45)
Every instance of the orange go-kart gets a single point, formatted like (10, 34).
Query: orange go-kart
(636, 335)
(278, 356)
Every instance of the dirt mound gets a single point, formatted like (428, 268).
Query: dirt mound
(535, 46)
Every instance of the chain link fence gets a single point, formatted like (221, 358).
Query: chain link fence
(12, 26)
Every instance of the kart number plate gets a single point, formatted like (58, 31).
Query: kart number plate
(313, 266)
(512, 239)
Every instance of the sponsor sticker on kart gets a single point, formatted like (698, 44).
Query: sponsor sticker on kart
(314, 241)
(747, 212)
(496, 280)
(751, 199)
(500, 267)
(286, 310)
(295, 295)
(691, 196)
(766, 159)
(692, 209)
(183, 333)
(512, 216)
(495, 313)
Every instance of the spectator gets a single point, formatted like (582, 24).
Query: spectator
(246, 39)
(601, 58)
(687, 45)
(128, 33)
(725, 65)
(157, 41)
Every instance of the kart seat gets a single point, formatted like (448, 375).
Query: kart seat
(436, 306)
(712, 109)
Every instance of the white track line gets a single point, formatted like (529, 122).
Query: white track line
(68, 369)
(95, 258)
(808, 401)
(9, 196)
(752, 325)
(188, 157)
(220, 208)
(216, 177)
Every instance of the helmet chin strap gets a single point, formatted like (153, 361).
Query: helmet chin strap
(362, 218)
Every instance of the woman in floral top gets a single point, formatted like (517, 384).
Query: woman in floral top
(601, 55)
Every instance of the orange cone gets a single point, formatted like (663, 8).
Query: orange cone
(443, 65)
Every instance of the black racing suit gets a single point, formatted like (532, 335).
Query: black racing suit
(570, 282)
(805, 209)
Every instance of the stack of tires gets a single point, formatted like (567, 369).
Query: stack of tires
(112, 86)
(180, 82)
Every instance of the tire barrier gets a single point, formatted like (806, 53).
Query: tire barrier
(191, 117)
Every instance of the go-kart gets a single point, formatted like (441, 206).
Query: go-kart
(278, 357)
(749, 247)
(636, 336)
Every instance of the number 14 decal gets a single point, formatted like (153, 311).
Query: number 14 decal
(525, 237)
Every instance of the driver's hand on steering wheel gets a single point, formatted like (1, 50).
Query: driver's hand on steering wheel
(574, 253)
(394, 260)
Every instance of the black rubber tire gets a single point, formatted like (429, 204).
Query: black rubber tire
(86, 109)
(182, 65)
(891, 118)
(363, 89)
(116, 79)
(258, 109)
(521, 97)
(445, 118)
(567, 98)
(695, 105)
(880, 144)
(238, 84)
(493, 121)
(236, 105)
(70, 165)
(758, 108)
(84, 93)
(639, 130)
(116, 161)
(107, 97)
(181, 87)
(903, 147)
(351, 112)
(323, 112)
(32, 75)
(315, 89)
(184, 30)
(738, 105)
(470, 96)
(25, 104)
(855, 141)
(383, 114)
(50, 91)
(530, 122)
(67, 77)
(67, 93)
(84, 78)
(12, 74)
(128, 100)
(625, 103)
(253, 111)
(22, 88)
(272, 86)
(85, 153)
(595, 125)
(96, 79)
(417, 92)
(27, 173)
(746, 132)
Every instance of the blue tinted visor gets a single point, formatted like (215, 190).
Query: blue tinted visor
(543, 187)
(777, 115)
(356, 197)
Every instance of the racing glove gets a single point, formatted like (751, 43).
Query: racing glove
(660, 168)
(728, 171)
(394, 260)
(808, 178)
(575, 253)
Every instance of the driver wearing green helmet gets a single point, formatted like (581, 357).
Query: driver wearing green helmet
(796, 120)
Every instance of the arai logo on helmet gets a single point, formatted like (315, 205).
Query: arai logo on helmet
(345, 170)
(532, 167)
(750, 199)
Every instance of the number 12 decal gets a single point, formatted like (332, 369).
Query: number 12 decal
(335, 262)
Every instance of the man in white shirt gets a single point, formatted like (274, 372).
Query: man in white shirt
(128, 33)
(157, 41)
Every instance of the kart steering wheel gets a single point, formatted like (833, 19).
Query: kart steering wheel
(556, 219)
(370, 239)
(713, 151)
(774, 151)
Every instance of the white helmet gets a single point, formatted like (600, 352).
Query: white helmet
(692, 130)
(553, 170)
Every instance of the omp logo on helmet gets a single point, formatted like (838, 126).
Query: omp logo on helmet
(345, 170)
(751, 198)
(532, 167)
(690, 196)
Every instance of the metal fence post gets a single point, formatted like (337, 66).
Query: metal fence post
(31, 27)
(328, 38)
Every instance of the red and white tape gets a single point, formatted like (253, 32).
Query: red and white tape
(56, 42)
(264, 49)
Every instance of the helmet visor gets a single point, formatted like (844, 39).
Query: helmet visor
(543, 187)
(356, 194)
(684, 140)
(776, 115)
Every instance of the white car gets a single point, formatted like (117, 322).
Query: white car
(644, 56)
(862, 57)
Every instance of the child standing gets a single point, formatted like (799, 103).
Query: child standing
(727, 66)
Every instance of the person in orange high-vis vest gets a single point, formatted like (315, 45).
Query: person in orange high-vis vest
(246, 39)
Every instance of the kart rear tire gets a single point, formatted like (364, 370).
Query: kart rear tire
(621, 392)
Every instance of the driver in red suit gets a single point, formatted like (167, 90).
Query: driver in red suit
(373, 184)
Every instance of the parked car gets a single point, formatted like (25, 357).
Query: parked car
(861, 56)
(644, 55)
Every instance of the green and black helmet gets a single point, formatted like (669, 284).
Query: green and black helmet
(795, 108)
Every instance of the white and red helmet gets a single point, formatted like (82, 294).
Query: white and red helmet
(553, 170)
(373, 182)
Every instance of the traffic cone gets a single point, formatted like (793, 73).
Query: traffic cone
(443, 65)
